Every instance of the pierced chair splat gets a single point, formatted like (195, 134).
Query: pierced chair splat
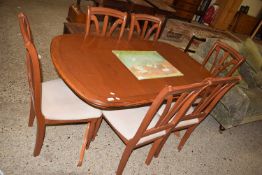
(108, 14)
(145, 26)
(222, 60)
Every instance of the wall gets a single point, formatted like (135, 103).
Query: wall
(255, 7)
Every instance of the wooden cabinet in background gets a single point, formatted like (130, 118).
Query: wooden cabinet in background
(226, 12)
(186, 9)
(244, 24)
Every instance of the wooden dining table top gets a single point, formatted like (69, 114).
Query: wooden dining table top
(97, 76)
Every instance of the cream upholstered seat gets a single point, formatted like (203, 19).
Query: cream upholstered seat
(60, 103)
(127, 122)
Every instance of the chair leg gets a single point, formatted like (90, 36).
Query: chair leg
(98, 123)
(90, 133)
(40, 135)
(160, 146)
(87, 139)
(152, 151)
(82, 151)
(185, 137)
(124, 159)
(31, 115)
(177, 134)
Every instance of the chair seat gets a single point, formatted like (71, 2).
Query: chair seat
(127, 121)
(60, 103)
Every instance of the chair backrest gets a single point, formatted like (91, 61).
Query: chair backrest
(25, 28)
(184, 95)
(191, 41)
(149, 25)
(193, 101)
(222, 60)
(207, 100)
(33, 65)
(93, 14)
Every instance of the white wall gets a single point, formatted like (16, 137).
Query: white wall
(254, 6)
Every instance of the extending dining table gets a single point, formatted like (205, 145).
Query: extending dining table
(90, 68)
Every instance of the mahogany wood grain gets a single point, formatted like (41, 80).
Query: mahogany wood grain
(90, 68)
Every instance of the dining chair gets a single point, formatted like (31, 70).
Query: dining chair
(140, 126)
(111, 19)
(145, 25)
(202, 105)
(222, 60)
(192, 40)
(53, 102)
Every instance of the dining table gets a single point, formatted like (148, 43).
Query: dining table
(91, 69)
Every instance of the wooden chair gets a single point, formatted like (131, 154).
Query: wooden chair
(25, 28)
(222, 60)
(93, 14)
(191, 41)
(52, 102)
(201, 106)
(150, 24)
(140, 126)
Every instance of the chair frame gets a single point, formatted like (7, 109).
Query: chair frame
(107, 12)
(217, 88)
(35, 87)
(146, 30)
(25, 28)
(210, 91)
(187, 49)
(218, 64)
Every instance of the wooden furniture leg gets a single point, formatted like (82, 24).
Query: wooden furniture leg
(124, 159)
(185, 137)
(31, 115)
(40, 135)
(152, 151)
(98, 123)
